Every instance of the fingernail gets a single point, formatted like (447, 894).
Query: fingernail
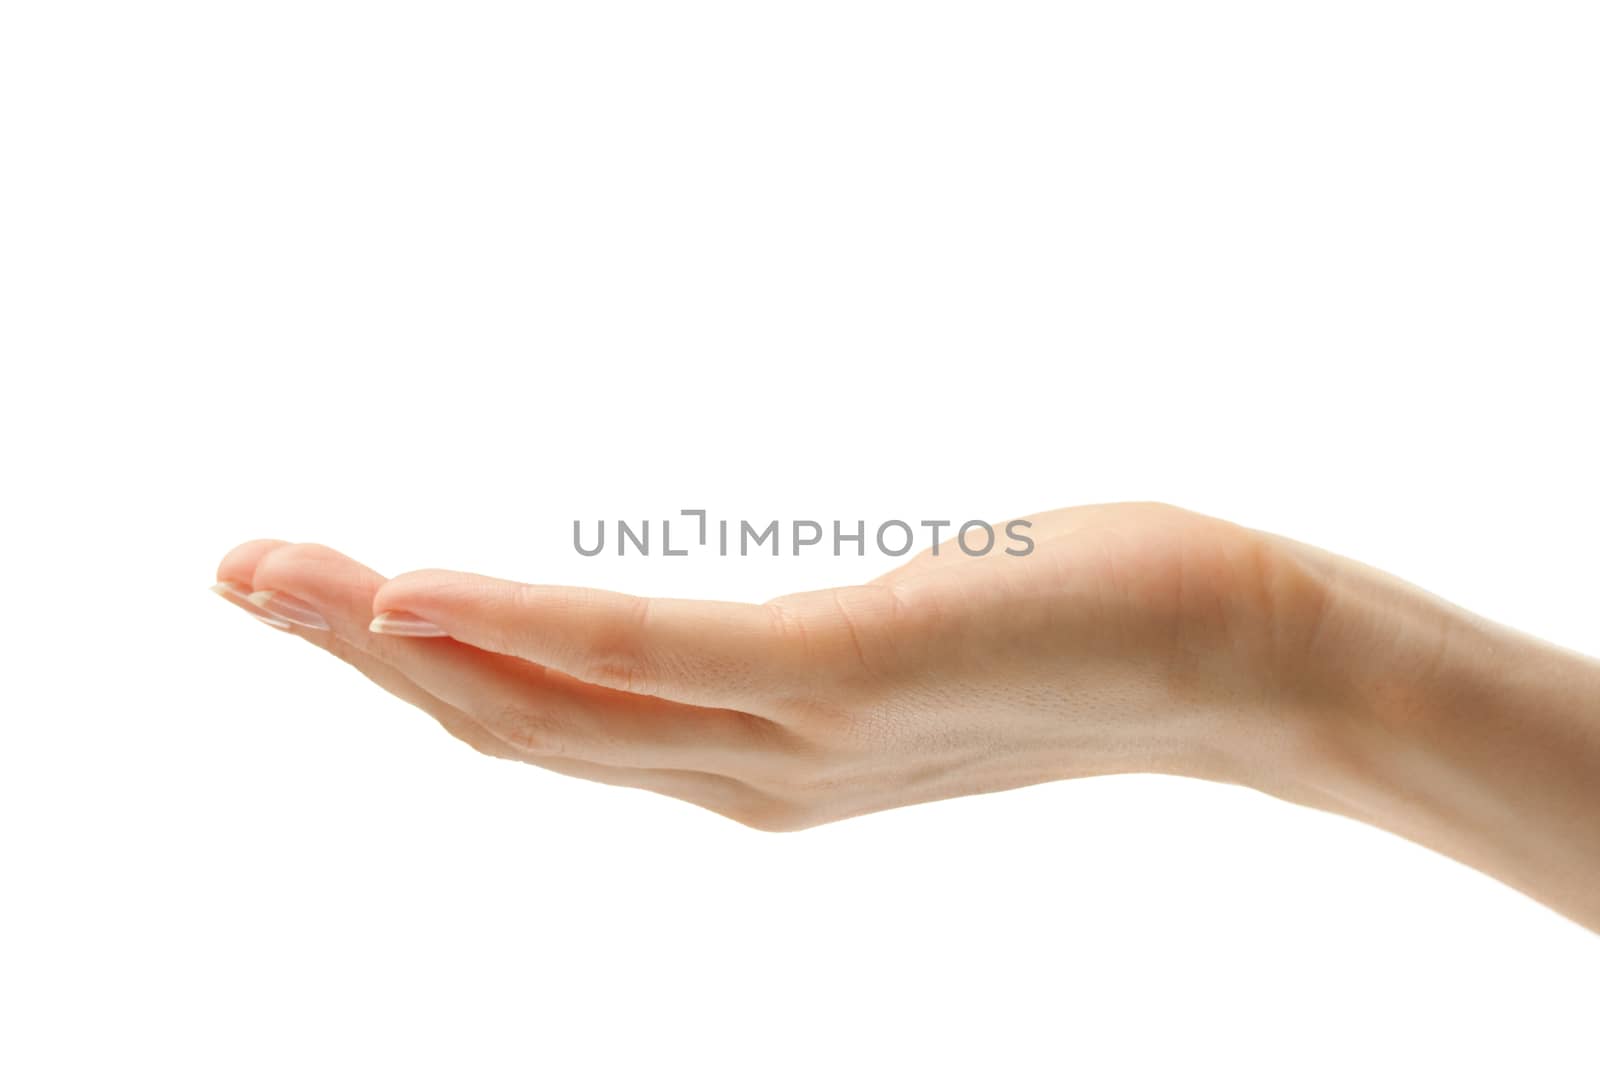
(288, 608)
(239, 596)
(404, 624)
(233, 593)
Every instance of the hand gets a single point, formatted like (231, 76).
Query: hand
(1134, 637)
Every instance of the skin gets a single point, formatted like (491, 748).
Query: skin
(1134, 638)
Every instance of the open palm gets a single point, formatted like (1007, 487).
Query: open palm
(1133, 638)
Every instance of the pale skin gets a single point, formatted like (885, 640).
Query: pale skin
(1134, 638)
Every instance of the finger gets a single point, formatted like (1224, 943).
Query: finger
(536, 713)
(715, 792)
(701, 652)
(234, 574)
(456, 722)
(240, 562)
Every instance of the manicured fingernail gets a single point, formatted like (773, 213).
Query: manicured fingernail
(239, 596)
(404, 624)
(233, 593)
(288, 608)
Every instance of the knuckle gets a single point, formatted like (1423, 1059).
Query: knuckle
(824, 728)
(786, 623)
(616, 672)
(524, 730)
(618, 654)
(861, 607)
(845, 624)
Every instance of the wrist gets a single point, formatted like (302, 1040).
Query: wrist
(1468, 737)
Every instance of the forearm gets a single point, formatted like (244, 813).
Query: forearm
(1470, 738)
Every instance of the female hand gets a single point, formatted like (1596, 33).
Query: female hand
(1134, 637)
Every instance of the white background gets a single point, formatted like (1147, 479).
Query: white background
(426, 282)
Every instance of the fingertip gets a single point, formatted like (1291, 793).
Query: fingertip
(239, 563)
(327, 579)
